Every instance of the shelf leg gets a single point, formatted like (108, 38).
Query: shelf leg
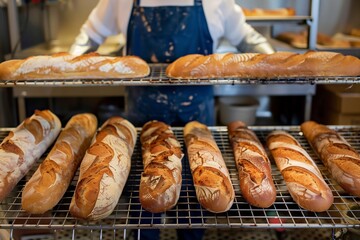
(308, 103)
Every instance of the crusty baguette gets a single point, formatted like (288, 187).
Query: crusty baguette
(104, 170)
(279, 64)
(212, 182)
(295, 39)
(24, 146)
(56, 172)
(261, 12)
(342, 160)
(160, 182)
(66, 66)
(254, 167)
(302, 177)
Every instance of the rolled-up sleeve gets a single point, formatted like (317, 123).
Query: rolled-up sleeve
(102, 21)
(235, 26)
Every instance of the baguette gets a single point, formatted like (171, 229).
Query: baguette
(260, 12)
(342, 160)
(160, 182)
(302, 177)
(24, 146)
(254, 168)
(279, 64)
(104, 170)
(56, 172)
(212, 182)
(67, 66)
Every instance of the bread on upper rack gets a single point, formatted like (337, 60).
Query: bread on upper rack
(302, 177)
(24, 146)
(160, 182)
(341, 159)
(67, 66)
(262, 12)
(213, 186)
(104, 170)
(58, 169)
(254, 167)
(255, 65)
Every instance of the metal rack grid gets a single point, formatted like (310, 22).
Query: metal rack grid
(158, 76)
(284, 213)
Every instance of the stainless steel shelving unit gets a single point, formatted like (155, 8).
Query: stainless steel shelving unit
(128, 214)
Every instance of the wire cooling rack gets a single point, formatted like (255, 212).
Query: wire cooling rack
(128, 214)
(158, 76)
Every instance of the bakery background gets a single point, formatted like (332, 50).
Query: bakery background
(52, 26)
(47, 27)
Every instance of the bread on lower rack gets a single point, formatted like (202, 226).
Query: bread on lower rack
(253, 165)
(341, 159)
(104, 170)
(261, 12)
(302, 177)
(67, 66)
(24, 146)
(211, 177)
(255, 65)
(52, 178)
(160, 182)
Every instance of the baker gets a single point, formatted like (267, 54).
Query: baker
(160, 31)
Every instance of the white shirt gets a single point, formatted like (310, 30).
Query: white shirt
(225, 19)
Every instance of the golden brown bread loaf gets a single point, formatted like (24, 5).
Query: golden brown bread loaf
(298, 40)
(24, 146)
(67, 66)
(104, 170)
(355, 32)
(302, 177)
(160, 182)
(212, 182)
(279, 64)
(254, 167)
(56, 172)
(342, 160)
(260, 12)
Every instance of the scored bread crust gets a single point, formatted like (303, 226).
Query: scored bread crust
(24, 146)
(55, 173)
(341, 159)
(302, 177)
(67, 66)
(213, 186)
(254, 168)
(160, 182)
(104, 170)
(253, 65)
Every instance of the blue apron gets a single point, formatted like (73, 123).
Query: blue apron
(163, 34)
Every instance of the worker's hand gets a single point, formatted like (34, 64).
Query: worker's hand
(254, 42)
(83, 44)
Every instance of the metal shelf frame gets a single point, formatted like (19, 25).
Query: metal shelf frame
(128, 214)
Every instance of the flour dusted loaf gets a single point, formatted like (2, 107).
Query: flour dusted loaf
(67, 66)
(279, 64)
(52, 178)
(104, 170)
(212, 182)
(253, 165)
(341, 159)
(160, 182)
(24, 146)
(302, 177)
